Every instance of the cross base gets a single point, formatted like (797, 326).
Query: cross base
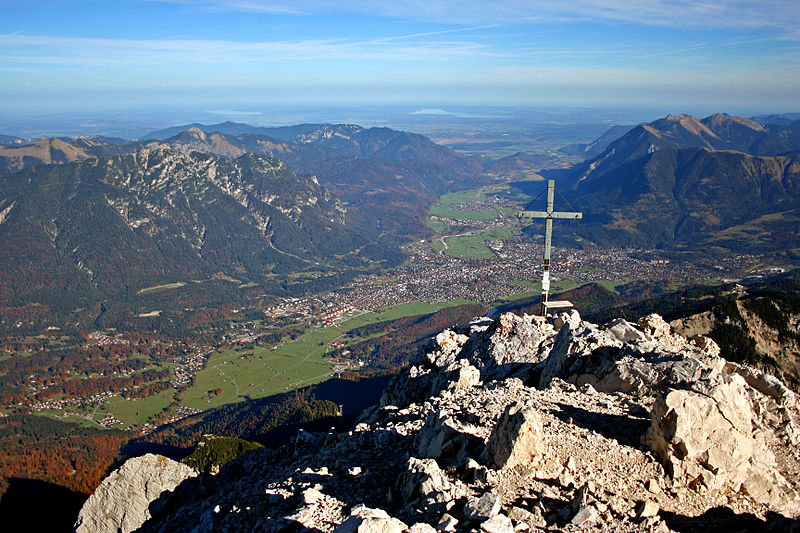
(555, 305)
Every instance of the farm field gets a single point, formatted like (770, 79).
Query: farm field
(238, 373)
(137, 412)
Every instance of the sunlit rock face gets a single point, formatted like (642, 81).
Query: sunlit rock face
(526, 424)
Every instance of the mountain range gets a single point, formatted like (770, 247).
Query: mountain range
(106, 228)
(722, 182)
(92, 222)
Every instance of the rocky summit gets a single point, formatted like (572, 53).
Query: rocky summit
(522, 423)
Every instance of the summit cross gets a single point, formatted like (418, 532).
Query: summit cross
(548, 217)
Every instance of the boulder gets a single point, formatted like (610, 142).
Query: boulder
(483, 508)
(517, 438)
(366, 520)
(444, 436)
(424, 479)
(446, 345)
(121, 503)
(499, 523)
(705, 436)
(579, 348)
(465, 376)
(625, 331)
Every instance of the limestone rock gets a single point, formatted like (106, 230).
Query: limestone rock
(366, 520)
(424, 479)
(446, 345)
(625, 331)
(121, 502)
(706, 436)
(586, 515)
(517, 438)
(466, 375)
(690, 432)
(447, 523)
(575, 350)
(444, 436)
(647, 509)
(483, 508)
(319, 511)
(499, 523)
(655, 326)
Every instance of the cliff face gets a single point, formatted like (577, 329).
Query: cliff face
(525, 424)
(757, 330)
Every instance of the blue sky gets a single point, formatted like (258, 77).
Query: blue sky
(726, 55)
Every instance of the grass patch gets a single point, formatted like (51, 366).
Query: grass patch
(474, 245)
(400, 311)
(437, 225)
(74, 418)
(448, 212)
(235, 374)
(137, 412)
(533, 285)
(611, 285)
(520, 296)
(459, 197)
(468, 246)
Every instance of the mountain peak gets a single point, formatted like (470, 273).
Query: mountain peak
(195, 133)
(691, 124)
(720, 120)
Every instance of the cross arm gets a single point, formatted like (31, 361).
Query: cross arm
(555, 214)
(567, 214)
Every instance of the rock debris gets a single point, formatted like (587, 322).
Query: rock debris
(529, 424)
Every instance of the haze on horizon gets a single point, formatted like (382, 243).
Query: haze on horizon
(90, 55)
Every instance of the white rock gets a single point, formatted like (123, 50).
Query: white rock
(498, 524)
(121, 502)
(517, 438)
(366, 520)
(484, 507)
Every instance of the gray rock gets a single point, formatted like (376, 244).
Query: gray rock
(444, 436)
(312, 496)
(466, 375)
(518, 514)
(647, 509)
(707, 434)
(498, 524)
(121, 502)
(484, 507)
(517, 438)
(625, 331)
(586, 515)
(366, 520)
(447, 523)
(424, 479)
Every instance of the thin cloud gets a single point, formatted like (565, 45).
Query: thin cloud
(722, 14)
(432, 33)
(44, 49)
(267, 8)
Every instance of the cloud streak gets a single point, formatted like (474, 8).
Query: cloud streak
(721, 14)
(44, 49)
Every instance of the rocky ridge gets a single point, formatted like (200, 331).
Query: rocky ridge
(528, 424)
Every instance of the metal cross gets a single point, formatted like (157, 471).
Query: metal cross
(548, 217)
